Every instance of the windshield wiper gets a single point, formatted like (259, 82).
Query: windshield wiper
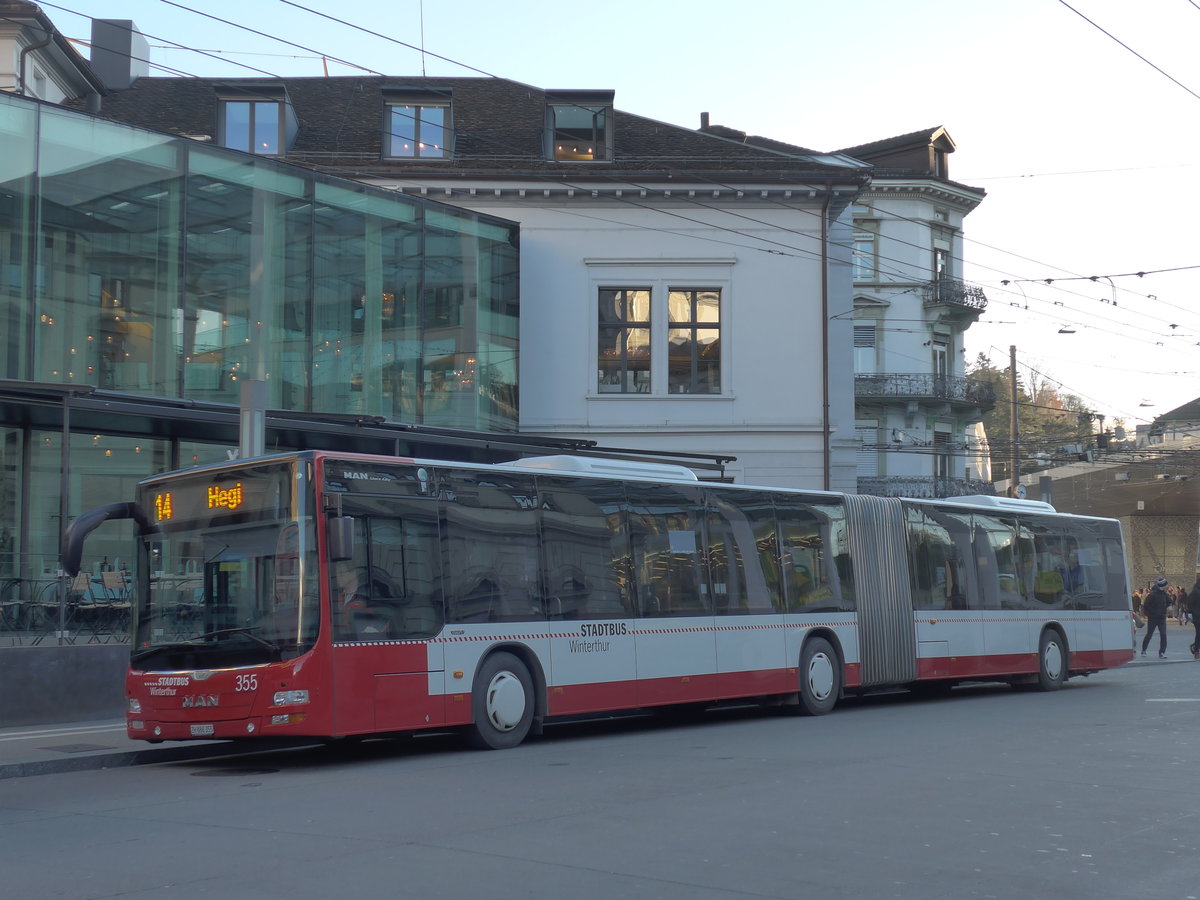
(247, 630)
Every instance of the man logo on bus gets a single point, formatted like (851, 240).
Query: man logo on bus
(229, 498)
(200, 700)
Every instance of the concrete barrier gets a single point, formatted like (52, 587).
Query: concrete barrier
(44, 685)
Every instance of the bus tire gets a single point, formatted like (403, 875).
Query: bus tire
(820, 677)
(1052, 661)
(502, 703)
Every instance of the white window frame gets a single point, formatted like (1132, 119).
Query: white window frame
(660, 277)
(864, 253)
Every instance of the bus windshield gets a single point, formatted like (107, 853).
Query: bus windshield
(230, 576)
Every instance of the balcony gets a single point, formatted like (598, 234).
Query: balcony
(923, 487)
(958, 295)
(921, 386)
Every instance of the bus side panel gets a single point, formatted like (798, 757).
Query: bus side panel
(591, 667)
(383, 687)
(676, 660)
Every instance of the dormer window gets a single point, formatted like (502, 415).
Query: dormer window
(418, 126)
(256, 121)
(579, 126)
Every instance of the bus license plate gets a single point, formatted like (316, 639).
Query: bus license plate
(203, 730)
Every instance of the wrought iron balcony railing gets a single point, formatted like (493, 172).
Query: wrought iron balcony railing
(951, 292)
(922, 487)
(916, 385)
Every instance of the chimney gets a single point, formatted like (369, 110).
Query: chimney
(703, 121)
(120, 53)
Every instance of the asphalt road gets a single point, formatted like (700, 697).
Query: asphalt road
(1090, 792)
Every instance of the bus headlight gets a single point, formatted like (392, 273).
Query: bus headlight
(289, 698)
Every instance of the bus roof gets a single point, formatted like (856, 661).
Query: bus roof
(590, 465)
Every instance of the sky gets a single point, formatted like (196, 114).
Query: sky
(1079, 118)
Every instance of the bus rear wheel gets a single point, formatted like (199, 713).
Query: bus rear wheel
(820, 677)
(502, 703)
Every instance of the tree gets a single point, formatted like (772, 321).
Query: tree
(1052, 427)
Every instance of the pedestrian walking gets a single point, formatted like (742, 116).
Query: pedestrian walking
(1154, 606)
(1193, 607)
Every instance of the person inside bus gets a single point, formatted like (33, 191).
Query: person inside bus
(355, 614)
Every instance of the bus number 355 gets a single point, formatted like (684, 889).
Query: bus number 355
(247, 683)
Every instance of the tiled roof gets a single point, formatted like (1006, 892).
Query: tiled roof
(886, 145)
(498, 125)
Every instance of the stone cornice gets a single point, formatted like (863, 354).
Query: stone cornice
(685, 192)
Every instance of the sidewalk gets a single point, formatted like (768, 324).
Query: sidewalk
(79, 746)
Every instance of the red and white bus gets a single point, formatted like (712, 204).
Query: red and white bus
(318, 594)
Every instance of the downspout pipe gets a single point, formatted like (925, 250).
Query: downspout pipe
(25, 51)
(826, 448)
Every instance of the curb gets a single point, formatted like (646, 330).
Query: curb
(151, 756)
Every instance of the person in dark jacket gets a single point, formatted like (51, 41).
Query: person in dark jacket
(1154, 608)
(1193, 608)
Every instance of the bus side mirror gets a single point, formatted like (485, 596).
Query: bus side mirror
(341, 538)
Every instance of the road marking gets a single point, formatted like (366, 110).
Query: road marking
(59, 732)
(1173, 699)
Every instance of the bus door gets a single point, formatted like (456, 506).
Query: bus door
(675, 632)
(743, 555)
(1092, 580)
(386, 607)
(1006, 560)
(589, 595)
(945, 598)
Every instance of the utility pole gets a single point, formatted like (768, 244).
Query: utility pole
(1015, 477)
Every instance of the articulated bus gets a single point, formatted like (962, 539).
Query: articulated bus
(324, 595)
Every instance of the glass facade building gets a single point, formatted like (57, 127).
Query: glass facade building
(138, 267)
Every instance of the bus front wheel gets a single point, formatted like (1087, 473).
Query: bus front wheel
(820, 677)
(1052, 661)
(502, 703)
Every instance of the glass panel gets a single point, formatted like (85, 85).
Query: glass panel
(578, 132)
(237, 125)
(1005, 573)
(230, 582)
(694, 342)
(197, 453)
(433, 131)
(247, 250)
(623, 354)
(266, 128)
(110, 213)
(816, 557)
(743, 553)
(418, 131)
(450, 303)
(403, 132)
(939, 550)
(10, 502)
(586, 549)
(665, 524)
(17, 133)
(491, 545)
(104, 469)
(391, 589)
